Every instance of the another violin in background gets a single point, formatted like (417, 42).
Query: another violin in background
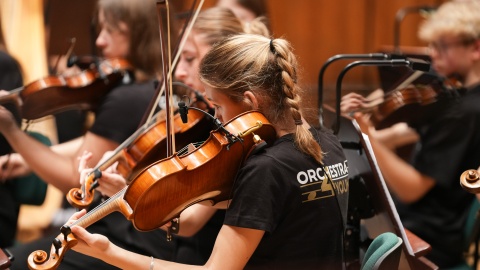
(54, 94)
(470, 181)
(6, 259)
(412, 104)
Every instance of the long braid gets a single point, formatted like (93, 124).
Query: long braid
(268, 69)
(304, 139)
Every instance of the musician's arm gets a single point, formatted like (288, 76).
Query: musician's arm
(408, 184)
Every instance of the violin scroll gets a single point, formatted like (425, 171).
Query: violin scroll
(82, 197)
(470, 181)
(39, 259)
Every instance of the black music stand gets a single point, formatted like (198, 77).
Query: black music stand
(391, 77)
(371, 208)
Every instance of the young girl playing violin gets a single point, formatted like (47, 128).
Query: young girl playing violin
(286, 202)
(128, 30)
(428, 196)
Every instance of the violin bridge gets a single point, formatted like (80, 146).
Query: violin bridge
(191, 147)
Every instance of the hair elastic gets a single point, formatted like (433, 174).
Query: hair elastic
(272, 48)
(298, 122)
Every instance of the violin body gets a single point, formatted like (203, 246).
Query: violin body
(163, 190)
(147, 148)
(150, 147)
(84, 91)
(401, 106)
(414, 105)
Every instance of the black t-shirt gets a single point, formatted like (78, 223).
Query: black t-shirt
(447, 147)
(286, 194)
(119, 115)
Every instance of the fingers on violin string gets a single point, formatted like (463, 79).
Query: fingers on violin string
(353, 95)
(75, 217)
(112, 168)
(106, 156)
(83, 175)
(83, 159)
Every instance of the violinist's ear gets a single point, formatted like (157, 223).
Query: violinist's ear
(251, 100)
(476, 45)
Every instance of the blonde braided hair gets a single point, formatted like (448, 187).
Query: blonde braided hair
(267, 68)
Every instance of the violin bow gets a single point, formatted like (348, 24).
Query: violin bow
(166, 67)
(166, 84)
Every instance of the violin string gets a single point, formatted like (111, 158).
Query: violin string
(185, 151)
(104, 204)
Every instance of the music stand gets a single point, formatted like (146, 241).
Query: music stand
(370, 202)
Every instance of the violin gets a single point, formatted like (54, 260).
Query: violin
(402, 105)
(414, 104)
(6, 259)
(166, 188)
(146, 146)
(54, 94)
(470, 181)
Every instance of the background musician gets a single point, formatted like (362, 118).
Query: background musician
(429, 200)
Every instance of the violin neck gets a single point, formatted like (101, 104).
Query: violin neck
(415, 75)
(13, 96)
(116, 203)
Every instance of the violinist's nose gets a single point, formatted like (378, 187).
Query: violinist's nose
(181, 72)
(101, 41)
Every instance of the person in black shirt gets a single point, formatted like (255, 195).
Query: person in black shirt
(287, 203)
(428, 196)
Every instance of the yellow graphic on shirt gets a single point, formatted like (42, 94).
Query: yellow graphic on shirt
(321, 190)
(316, 184)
